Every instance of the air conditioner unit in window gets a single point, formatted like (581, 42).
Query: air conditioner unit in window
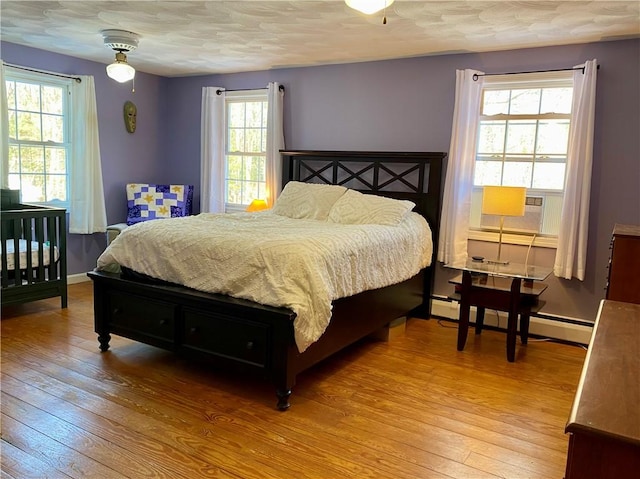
(531, 222)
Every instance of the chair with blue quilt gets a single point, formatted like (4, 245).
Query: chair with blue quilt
(147, 202)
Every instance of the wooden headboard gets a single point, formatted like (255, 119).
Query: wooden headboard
(414, 176)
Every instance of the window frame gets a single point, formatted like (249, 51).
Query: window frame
(558, 79)
(45, 80)
(242, 96)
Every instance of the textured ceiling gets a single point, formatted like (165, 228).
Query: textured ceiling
(188, 37)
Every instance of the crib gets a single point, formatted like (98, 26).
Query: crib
(34, 251)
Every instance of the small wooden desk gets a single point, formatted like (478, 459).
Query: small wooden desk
(512, 288)
(604, 424)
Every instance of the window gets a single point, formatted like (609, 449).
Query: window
(246, 148)
(240, 155)
(39, 144)
(523, 135)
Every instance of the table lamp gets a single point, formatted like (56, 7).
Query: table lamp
(503, 201)
(257, 205)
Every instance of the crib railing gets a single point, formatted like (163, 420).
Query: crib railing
(41, 270)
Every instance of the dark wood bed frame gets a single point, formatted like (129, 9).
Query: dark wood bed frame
(250, 337)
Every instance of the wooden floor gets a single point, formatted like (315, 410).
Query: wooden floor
(411, 408)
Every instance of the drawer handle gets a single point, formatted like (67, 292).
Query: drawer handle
(249, 345)
(193, 330)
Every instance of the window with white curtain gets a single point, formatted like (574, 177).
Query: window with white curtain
(39, 143)
(246, 148)
(523, 137)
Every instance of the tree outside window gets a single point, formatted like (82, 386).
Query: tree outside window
(38, 138)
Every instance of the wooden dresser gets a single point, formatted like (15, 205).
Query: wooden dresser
(604, 424)
(624, 265)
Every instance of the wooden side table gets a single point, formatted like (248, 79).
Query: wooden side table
(514, 288)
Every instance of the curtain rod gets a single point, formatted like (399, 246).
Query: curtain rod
(77, 79)
(218, 92)
(476, 75)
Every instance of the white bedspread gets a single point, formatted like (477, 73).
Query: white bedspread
(35, 247)
(295, 263)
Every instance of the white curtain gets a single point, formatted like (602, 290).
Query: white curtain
(571, 254)
(275, 141)
(456, 206)
(87, 209)
(212, 150)
(4, 131)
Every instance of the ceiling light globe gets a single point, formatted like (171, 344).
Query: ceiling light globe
(121, 72)
(368, 6)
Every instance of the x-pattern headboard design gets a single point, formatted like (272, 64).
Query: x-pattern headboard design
(416, 176)
(374, 176)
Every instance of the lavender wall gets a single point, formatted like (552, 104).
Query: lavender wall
(407, 105)
(404, 104)
(125, 157)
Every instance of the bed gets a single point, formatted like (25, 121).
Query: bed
(33, 244)
(250, 337)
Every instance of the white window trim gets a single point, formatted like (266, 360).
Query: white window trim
(15, 74)
(539, 79)
(503, 82)
(247, 94)
(513, 238)
(238, 96)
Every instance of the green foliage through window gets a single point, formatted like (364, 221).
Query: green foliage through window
(246, 146)
(523, 137)
(38, 138)
(523, 140)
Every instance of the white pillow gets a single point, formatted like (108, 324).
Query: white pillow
(307, 200)
(359, 209)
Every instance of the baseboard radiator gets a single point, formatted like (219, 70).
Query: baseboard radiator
(546, 326)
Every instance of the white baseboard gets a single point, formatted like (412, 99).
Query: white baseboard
(77, 278)
(561, 328)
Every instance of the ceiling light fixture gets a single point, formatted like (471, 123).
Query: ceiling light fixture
(121, 41)
(368, 6)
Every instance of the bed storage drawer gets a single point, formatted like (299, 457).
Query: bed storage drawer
(226, 337)
(138, 317)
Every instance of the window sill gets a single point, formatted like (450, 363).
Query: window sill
(510, 238)
(234, 208)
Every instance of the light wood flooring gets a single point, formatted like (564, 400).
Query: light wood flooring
(407, 409)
